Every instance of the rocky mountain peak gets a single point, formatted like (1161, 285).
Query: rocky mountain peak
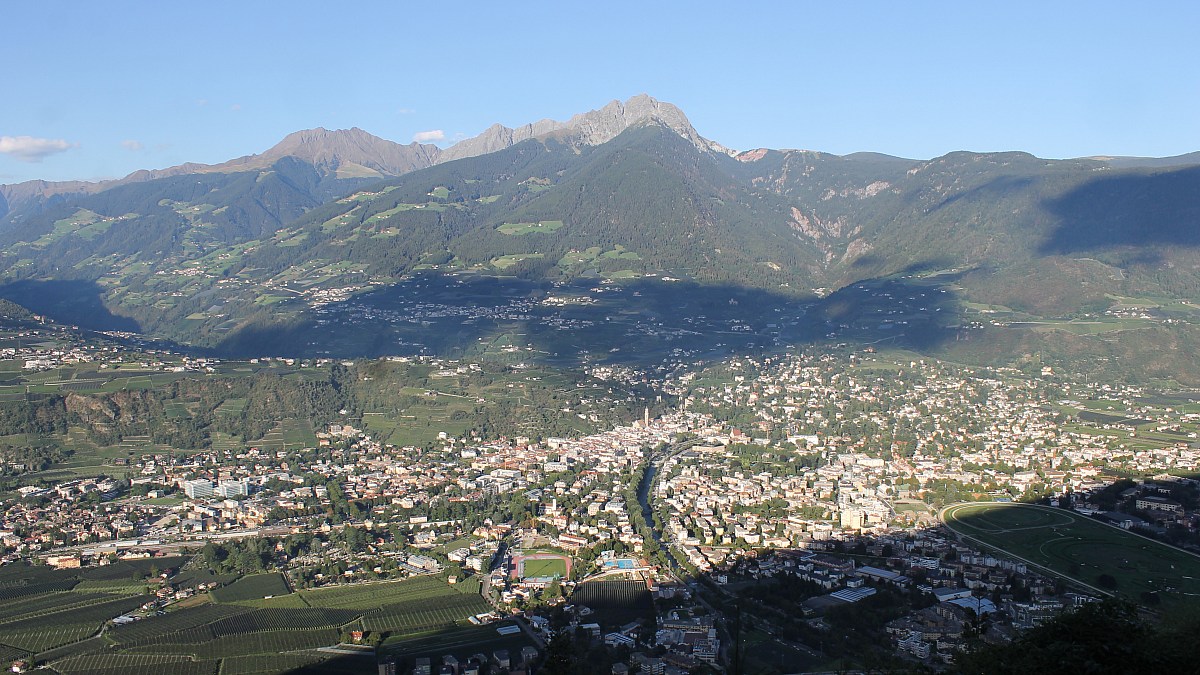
(340, 149)
(590, 128)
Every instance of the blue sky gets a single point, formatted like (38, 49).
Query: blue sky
(98, 89)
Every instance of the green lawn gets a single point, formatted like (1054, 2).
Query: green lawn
(506, 261)
(545, 567)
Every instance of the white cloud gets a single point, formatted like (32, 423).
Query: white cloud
(132, 146)
(406, 111)
(30, 149)
(426, 136)
(235, 107)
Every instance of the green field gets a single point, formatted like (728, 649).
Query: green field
(517, 229)
(397, 608)
(1081, 549)
(253, 587)
(506, 261)
(544, 567)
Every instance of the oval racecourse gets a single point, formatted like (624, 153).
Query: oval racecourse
(1081, 549)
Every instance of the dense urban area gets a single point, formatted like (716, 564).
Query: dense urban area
(835, 508)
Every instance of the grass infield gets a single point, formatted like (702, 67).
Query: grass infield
(1084, 550)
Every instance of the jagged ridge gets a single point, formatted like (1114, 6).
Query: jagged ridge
(591, 128)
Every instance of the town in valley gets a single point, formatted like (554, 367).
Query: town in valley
(790, 508)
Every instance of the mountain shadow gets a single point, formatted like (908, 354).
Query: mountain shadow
(1129, 209)
(655, 323)
(72, 302)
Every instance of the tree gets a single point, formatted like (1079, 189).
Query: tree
(560, 654)
(1101, 637)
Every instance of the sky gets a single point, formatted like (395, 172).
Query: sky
(95, 90)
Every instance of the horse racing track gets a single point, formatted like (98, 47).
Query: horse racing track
(1076, 547)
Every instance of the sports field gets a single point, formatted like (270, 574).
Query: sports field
(537, 564)
(1081, 549)
(545, 567)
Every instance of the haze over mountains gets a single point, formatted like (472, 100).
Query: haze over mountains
(1088, 259)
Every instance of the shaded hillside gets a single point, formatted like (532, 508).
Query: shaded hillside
(346, 154)
(168, 217)
(1070, 258)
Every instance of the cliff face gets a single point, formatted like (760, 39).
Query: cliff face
(100, 412)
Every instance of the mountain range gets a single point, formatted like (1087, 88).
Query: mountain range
(1088, 261)
(356, 154)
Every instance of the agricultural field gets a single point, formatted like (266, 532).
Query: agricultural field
(767, 654)
(40, 611)
(253, 587)
(594, 254)
(267, 663)
(134, 664)
(60, 618)
(371, 596)
(517, 229)
(462, 642)
(288, 434)
(413, 605)
(1104, 558)
(506, 261)
(615, 603)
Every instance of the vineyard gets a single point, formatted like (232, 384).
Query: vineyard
(155, 627)
(194, 577)
(615, 602)
(266, 663)
(34, 623)
(253, 587)
(252, 624)
(461, 641)
(421, 614)
(17, 609)
(371, 596)
(243, 644)
(134, 664)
